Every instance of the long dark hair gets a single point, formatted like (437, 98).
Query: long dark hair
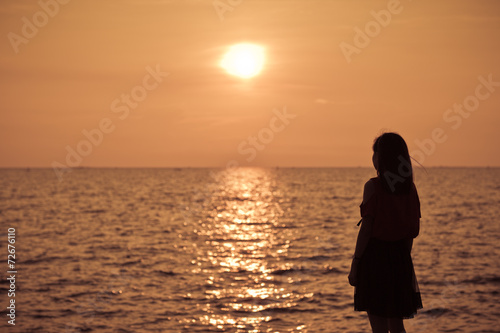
(394, 163)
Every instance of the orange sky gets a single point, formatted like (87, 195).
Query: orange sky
(325, 91)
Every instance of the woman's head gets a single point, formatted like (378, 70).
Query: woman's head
(393, 164)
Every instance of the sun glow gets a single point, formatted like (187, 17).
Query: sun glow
(244, 60)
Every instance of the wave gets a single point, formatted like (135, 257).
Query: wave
(45, 259)
(164, 273)
(435, 312)
(94, 211)
(483, 280)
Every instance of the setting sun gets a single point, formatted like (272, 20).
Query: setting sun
(244, 60)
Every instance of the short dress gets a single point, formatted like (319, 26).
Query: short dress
(386, 283)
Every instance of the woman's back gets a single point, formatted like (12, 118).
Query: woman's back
(395, 216)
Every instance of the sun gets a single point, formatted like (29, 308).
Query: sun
(244, 60)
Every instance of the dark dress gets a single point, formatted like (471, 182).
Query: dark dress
(386, 282)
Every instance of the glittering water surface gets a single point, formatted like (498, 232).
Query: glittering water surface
(241, 250)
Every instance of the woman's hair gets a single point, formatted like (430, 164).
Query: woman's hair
(394, 165)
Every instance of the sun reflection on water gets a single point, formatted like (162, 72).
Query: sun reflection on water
(244, 245)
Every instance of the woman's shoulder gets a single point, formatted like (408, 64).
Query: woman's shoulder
(372, 183)
(370, 188)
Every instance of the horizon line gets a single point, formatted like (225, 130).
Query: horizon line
(245, 166)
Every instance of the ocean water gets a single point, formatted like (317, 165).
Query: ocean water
(241, 250)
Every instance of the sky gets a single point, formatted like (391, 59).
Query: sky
(138, 83)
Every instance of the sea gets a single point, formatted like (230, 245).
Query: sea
(232, 250)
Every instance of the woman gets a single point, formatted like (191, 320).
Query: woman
(382, 269)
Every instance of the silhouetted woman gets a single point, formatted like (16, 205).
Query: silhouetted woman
(382, 268)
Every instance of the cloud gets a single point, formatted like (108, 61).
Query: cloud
(322, 101)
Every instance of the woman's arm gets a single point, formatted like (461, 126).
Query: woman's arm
(361, 243)
(367, 222)
(364, 235)
(409, 243)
